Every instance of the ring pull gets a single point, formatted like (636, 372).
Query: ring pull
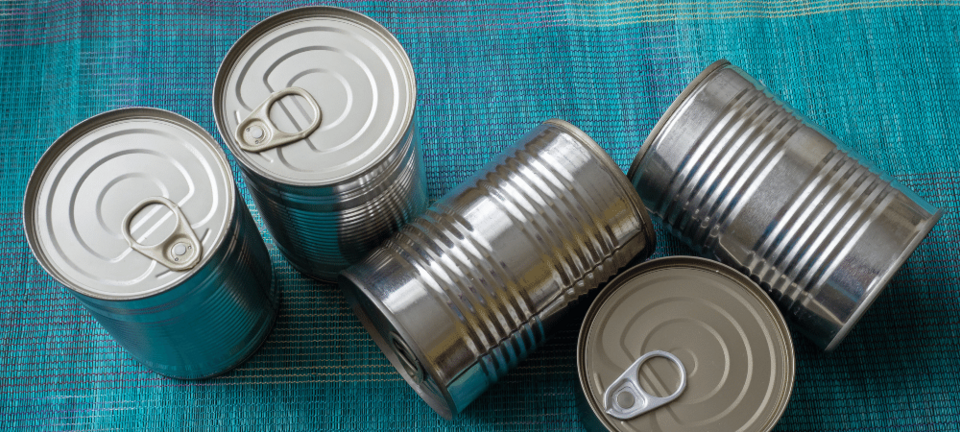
(180, 251)
(625, 399)
(257, 132)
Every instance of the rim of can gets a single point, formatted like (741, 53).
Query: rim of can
(690, 262)
(272, 22)
(63, 143)
(411, 370)
(628, 190)
(668, 115)
(882, 282)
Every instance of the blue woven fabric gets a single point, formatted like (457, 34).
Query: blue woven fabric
(882, 75)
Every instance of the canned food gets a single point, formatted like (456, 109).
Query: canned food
(745, 179)
(317, 105)
(468, 289)
(135, 211)
(728, 360)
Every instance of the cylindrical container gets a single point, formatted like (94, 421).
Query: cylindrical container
(317, 105)
(136, 212)
(744, 179)
(468, 289)
(734, 364)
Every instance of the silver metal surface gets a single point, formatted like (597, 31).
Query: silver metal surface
(745, 179)
(726, 331)
(142, 176)
(332, 196)
(181, 250)
(625, 397)
(257, 132)
(464, 292)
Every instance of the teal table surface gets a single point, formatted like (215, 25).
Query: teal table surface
(882, 75)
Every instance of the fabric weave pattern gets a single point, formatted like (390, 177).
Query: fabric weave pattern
(882, 75)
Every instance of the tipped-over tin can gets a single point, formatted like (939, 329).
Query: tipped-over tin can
(136, 212)
(745, 179)
(317, 105)
(468, 289)
(683, 344)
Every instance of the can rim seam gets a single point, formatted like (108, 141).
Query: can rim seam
(627, 189)
(673, 108)
(873, 292)
(352, 296)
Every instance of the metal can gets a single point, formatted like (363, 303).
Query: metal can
(135, 211)
(732, 358)
(468, 289)
(745, 179)
(351, 174)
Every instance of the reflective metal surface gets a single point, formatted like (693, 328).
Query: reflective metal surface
(257, 133)
(733, 343)
(333, 195)
(181, 250)
(154, 179)
(468, 289)
(744, 179)
(625, 398)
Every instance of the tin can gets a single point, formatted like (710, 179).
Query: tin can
(732, 362)
(317, 106)
(468, 289)
(745, 179)
(135, 211)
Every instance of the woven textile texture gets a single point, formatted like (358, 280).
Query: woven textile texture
(882, 75)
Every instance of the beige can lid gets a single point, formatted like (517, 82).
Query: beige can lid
(334, 83)
(729, 336)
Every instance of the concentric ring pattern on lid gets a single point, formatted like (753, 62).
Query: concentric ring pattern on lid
(97, 172)
(731, 339)
(357, 72)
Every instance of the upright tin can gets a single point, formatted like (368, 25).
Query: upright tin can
(745, 179)
(468, 289)
(136, 212)
(683, 344)
(317, 105)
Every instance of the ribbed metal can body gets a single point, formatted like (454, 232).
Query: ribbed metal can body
(322, 230)
(464, 292)
(352, 174)
(745, 179)
(136, 212)
(207, 324)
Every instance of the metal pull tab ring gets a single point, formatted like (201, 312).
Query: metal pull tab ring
(625, 399)
(180, 251)
(257, 132)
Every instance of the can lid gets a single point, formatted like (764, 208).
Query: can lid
(729, 336)
(145, 174)
(357, 74)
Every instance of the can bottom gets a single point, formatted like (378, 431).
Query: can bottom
(391, 339)
(882, 282)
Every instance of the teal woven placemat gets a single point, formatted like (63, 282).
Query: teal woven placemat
(881, 74)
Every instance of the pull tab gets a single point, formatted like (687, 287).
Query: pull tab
(180, 251)
(625, 399)
(257, 132)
